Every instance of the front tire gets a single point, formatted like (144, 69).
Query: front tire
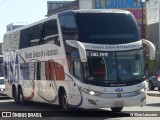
(150, 85)
(64, 101)
(116, 109)
(159, 87)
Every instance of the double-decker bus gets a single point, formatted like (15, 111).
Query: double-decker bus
(78, 59)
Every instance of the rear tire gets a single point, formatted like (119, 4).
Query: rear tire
(150, 85)
(15, 96)
(116, 109)
(21, 97)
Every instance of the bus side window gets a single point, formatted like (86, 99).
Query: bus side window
(54, 70)
(38, 74)
(59, 70)
(49, 70)
(24, 67)
(36, 70)
(51, 32)
(77, 69)
(24, 37)
(69, 61)
(35, 35)
(76, 63)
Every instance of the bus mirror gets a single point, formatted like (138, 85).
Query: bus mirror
(80, 47)
(151, 48)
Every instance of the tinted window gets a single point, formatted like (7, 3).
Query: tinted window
(35, 37)
(43, 33)
(76, 63)
(24, 67)
(54, 70)
(107, 28)
(24, 39)
(51, 28)
(68, 27)
(51, 32)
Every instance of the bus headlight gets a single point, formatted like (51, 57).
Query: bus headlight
(142, 90)
(90, 92)
(84, 90)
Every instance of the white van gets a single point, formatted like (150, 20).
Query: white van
(2, 86)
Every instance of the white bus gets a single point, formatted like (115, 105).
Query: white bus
(78, 59)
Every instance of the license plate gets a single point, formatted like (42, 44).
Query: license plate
(118, 104)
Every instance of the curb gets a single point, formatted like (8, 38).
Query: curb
(154, 94)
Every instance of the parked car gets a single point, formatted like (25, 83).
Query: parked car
(154, 81)
(2, 87)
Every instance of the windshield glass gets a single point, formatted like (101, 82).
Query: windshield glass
(114, 67)
(106, 28)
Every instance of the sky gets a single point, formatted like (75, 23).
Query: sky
(21, 11)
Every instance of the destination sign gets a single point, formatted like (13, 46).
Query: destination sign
(116, 47)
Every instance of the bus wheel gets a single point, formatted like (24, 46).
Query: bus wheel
(15, 95)
(116, 109)
(64, 101)
(21, 97)
(150, 85)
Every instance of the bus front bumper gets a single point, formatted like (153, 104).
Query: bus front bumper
(93, 102)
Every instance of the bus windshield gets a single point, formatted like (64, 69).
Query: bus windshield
(107, 28)
(114, 67)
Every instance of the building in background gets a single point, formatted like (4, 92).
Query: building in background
(13, 26)
(58, 6)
